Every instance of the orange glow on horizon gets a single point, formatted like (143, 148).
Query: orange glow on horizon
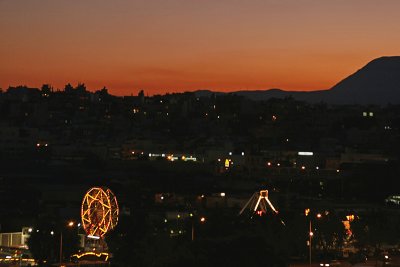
(175, 46)
(122, 87)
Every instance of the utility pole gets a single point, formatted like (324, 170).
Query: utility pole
(192, 230)
(309, 243)
(61, 245)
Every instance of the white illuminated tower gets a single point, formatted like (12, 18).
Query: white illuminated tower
(258, 203)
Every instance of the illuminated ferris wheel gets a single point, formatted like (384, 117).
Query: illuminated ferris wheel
(99, 211)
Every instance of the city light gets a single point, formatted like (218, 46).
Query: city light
(226, 163)
(306, 211)
(93, 237)
(305, 153)
(350, 217)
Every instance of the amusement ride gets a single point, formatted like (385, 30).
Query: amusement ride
(259, 203)
(99, 215)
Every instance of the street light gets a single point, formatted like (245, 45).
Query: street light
(70, 224)
(310, 233)
(202, 220)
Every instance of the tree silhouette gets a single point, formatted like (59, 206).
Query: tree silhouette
(44, 241)
(42, 244)
(68, 88)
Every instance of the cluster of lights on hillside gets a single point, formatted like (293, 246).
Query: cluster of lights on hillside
(301, 167)
(169, 157)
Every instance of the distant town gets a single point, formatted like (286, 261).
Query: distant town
(186, 169)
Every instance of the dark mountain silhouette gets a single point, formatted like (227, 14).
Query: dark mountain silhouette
(376, 83)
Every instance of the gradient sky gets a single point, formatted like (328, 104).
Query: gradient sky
(182, 45)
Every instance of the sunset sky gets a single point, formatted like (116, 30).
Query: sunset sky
(165, 46)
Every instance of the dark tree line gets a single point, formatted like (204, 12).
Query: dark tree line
(45, 241)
